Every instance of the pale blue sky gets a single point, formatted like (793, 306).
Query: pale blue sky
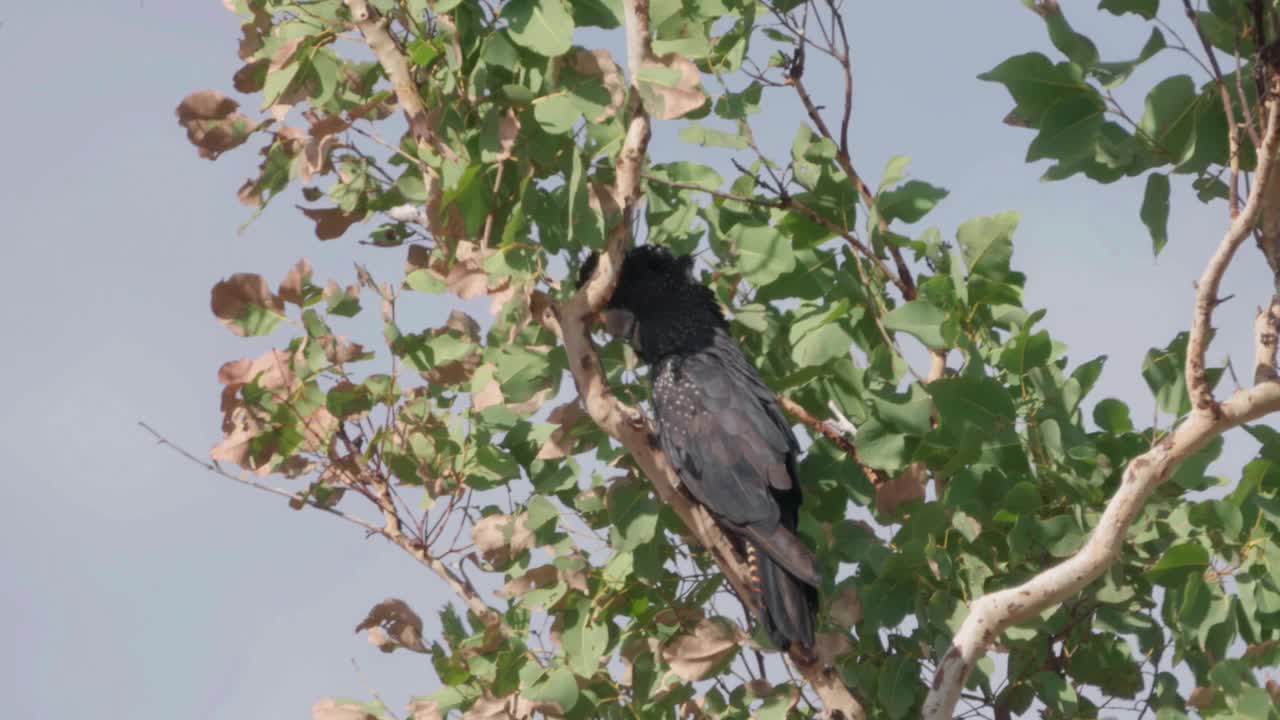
(138, 586)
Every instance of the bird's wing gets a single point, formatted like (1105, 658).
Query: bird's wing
(726, 445)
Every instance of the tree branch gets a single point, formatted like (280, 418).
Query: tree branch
(627, 425)
(1207, 289)
(392, 58)
(460, 586)
(992, 614)
(1233, 134)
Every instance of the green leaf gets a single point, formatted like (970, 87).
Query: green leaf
(763, 253)
(1037, 84)
(1155, 210)
(346, 399)
(634, 515)
(1023, 499)
(689, 173)
(1069, 129)
(894, 171)
(920, 319)
(1145, 8)
(710, 137)
(1170, 117)
(1079, 48)
(541, 511)
(605, 14)
(542, 26)
(1164, 371)
(584, 642)
(1112, 416)
(819, 335)
(1026, 352)
(910, 202)
(978, 402)
(898, 685)
(1179, 561)
(740, 105)
(556, 687)
(882, 447)
(278, 81)
(988, 244)
(1114, 73)
(1056, 693)
(556, 114)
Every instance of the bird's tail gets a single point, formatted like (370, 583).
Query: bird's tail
(788, 605)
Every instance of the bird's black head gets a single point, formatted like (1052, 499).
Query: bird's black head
(658, 306)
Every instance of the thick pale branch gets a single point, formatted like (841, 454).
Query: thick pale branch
(992, 614)
(1207, 289)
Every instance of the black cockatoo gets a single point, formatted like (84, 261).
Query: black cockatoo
(721, 428)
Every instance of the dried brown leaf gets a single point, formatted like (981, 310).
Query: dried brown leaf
(284, 54)
(488, 707)
(419, 258)
(539, 577)
(253, 33)
(239, 428)
(331, 709)
(600, 64)
(272, 370)
(449, 225)
(212, 123)
(759, 688)
(467, 279)
(906, 487)
(231, 297)
(490, 538)
(530, 406)
(294, 281)
(322, 137)
(339, 350)
(632, 648)
(694, 656)
(508, 132)
(498, 298)
(460, 370)
(331, 222)
(487, 396)
(560, 442)
(399, 624)
(675, 101)
(846, 609)
(832, 645)
(421, 709)
(1201, 697)
(318, 429)
(251, 77)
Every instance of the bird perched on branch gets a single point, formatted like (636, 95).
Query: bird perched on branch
(722, 430)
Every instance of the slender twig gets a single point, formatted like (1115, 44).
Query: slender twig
(389, 530)
(1233, 133)
(296, 497)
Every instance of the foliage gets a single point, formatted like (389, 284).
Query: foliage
(468, 441)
